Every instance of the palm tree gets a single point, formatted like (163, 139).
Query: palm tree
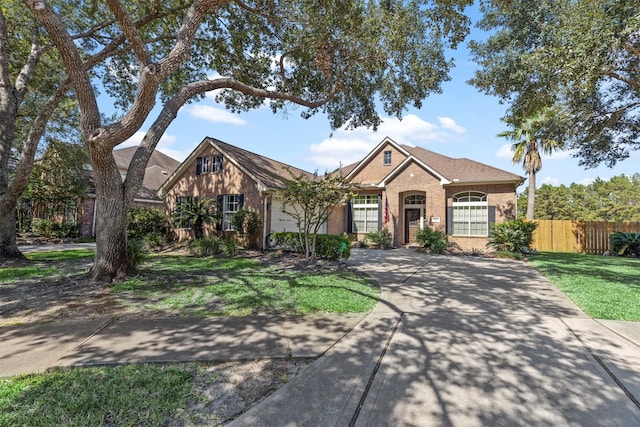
(197, 212)
(529, 146)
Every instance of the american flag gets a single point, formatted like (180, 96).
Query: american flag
(386, 209)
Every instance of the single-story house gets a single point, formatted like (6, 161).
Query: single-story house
(402, 189)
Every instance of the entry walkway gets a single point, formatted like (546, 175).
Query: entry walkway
(465, 341)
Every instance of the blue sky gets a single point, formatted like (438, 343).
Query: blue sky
(460, 122)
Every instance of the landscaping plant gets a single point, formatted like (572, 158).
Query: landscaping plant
(380, 239)
(513, 235)
(434, 240)
(625, 244)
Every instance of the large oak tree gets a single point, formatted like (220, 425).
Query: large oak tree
(340, 58)
(581, 56)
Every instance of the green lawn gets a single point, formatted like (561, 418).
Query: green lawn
(194, 286)
(125, 395)
(604, 287)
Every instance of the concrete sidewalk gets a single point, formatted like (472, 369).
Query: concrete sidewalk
(465, 341)
(37, 348)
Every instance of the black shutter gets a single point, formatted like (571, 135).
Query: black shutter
(492, 217)
(220, 212)
(349, 218)
(449, 220)
(241, 201)
(198, 165)
(221, 159)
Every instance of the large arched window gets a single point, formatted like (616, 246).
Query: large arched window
(470, 214)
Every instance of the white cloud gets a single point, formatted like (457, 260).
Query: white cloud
(215, 115)
(352, 145)
(586, 181)
(505, 152)
(550, 180)
(137, 137)
(450, 124)
(558, 155)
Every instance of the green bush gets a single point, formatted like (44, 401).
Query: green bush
(287, 240)
(206, 246)
(230, 247)
(435, 241)
(137, 251)
(155, 240)
(62, 231)
(146, 221)
(42, 227)
(327, 245)
(625, 244)
(380, 239)
(513, 235)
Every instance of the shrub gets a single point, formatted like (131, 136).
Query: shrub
(206, 246)
(42, 227)
(230, 247)
(143, 222)
(625, 244)
(62, 231)
(380, 239)
(435, 241)
(155, 240)
(327, 245)
(287, 240)
(514, 235)
(137, 251)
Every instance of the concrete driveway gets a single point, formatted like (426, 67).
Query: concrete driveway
(465, 341)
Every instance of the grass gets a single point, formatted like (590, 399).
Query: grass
(42, 268)
(72, 254)
(124, 395)
(193, 286)
(604, 287)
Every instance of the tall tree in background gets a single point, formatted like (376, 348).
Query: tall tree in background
(528, 149)
(580, 55)
(337, 58)
(32, 86)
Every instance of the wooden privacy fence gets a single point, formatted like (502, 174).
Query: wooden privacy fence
(591, 237)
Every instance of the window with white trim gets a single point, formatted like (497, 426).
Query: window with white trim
(416, 199)
(387, 158)
(216, 161)
(205, 165)
(365, 213)
(470, 214)
(230, 205)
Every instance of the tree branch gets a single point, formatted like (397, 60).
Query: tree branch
(90, 118)
(130, 32)
(23, 171)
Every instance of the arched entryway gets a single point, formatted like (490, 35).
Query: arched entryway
(413, 206)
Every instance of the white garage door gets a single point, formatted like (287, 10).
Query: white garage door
(281, 221)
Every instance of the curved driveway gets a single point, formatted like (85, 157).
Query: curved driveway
(465, 341)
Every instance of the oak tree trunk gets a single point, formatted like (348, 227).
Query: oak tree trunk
(111, 261)
(8, 247)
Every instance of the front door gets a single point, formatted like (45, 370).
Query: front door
(411, 225)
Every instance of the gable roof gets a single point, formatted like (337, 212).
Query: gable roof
(159, 168)
(266, 172)
(462, 170)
